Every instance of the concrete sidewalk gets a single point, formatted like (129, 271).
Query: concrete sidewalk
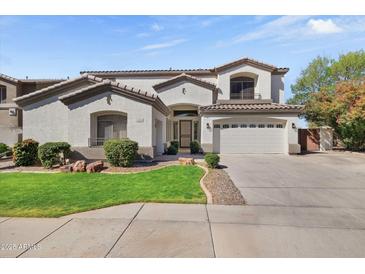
(181, 230)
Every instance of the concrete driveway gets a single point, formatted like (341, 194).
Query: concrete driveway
(298, 206)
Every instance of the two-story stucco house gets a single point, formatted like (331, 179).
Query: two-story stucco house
(233, 108)
(10, 113)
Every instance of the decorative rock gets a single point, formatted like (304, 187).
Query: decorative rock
(79, 166)
(66, 168)
(186, 161)
(95, 167)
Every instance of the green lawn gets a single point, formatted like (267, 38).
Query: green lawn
(53, 195)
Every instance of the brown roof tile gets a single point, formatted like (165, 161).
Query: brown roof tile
(185, 77)
(252, 107)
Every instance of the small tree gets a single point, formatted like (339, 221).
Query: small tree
(343, 109)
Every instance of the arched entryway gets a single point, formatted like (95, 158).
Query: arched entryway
(183, 124)
(107, 125)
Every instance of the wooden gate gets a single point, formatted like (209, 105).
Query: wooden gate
(309, 139)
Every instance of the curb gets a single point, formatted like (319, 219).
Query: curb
(206, 191)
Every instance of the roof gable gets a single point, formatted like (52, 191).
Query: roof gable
(118, 88)
(57, 88)
(251, 62)
(188, 78)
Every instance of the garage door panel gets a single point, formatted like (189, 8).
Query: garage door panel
(251, 140)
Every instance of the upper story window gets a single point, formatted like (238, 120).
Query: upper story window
(242, 88)
(2, 94)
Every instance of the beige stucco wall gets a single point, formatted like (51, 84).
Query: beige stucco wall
(194, 95)
(147, 83)
(262, 80)
(291, 135)
(46, 121)
(158, 131)
(51, 120)
(277, 89)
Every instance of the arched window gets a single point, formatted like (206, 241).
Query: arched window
(2, 94)
(242, 88)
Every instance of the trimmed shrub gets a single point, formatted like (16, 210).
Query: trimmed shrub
(3, 148)
(172, 150)
(121, 152)
(175, 144)
(25, 153)
(194, 147)
(212, 159)
(53, 153)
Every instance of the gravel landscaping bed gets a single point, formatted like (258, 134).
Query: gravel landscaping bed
(223, 190)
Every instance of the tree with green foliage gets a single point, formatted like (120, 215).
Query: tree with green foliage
(343, 109)
(324, 72)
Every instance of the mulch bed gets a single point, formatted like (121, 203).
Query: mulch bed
(8, 166)
(223, 190)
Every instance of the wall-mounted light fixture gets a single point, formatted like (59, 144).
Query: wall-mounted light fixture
(183, 90)
(208, 126)
(293, 125)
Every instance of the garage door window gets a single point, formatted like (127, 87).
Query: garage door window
(243, 126)
(234, 126)
(217, 126)
(270, 126)
(252, 126)
(279, 126)
(261, 126)
(225, 126)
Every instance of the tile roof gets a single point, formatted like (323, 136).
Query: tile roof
(214, 70)
(251, 107)
(185, 77)
(9, 78)
(56, 86)
(116, 87)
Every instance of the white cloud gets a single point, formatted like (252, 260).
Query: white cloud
(156, 27)
(168, 44)
(143, 34)
(323, 26)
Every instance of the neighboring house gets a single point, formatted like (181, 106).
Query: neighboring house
(234, 108)
(10, 113)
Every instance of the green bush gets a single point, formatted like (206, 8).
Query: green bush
(3, 148)
(212, 159)
(194, 147)
(120, 152)
(25, 153)
(172, 150)
(175, 144)
(53, 153)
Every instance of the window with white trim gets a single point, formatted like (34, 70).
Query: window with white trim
(225, 126)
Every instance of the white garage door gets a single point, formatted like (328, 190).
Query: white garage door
(249, 137)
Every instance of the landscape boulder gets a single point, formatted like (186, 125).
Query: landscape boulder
(186, 161)
(95, 167)
(79, 166)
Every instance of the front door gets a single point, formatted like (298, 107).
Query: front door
(185, 133)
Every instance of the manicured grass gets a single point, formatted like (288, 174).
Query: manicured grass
(53, 195)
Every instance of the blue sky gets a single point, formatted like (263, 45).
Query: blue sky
(61, 46)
